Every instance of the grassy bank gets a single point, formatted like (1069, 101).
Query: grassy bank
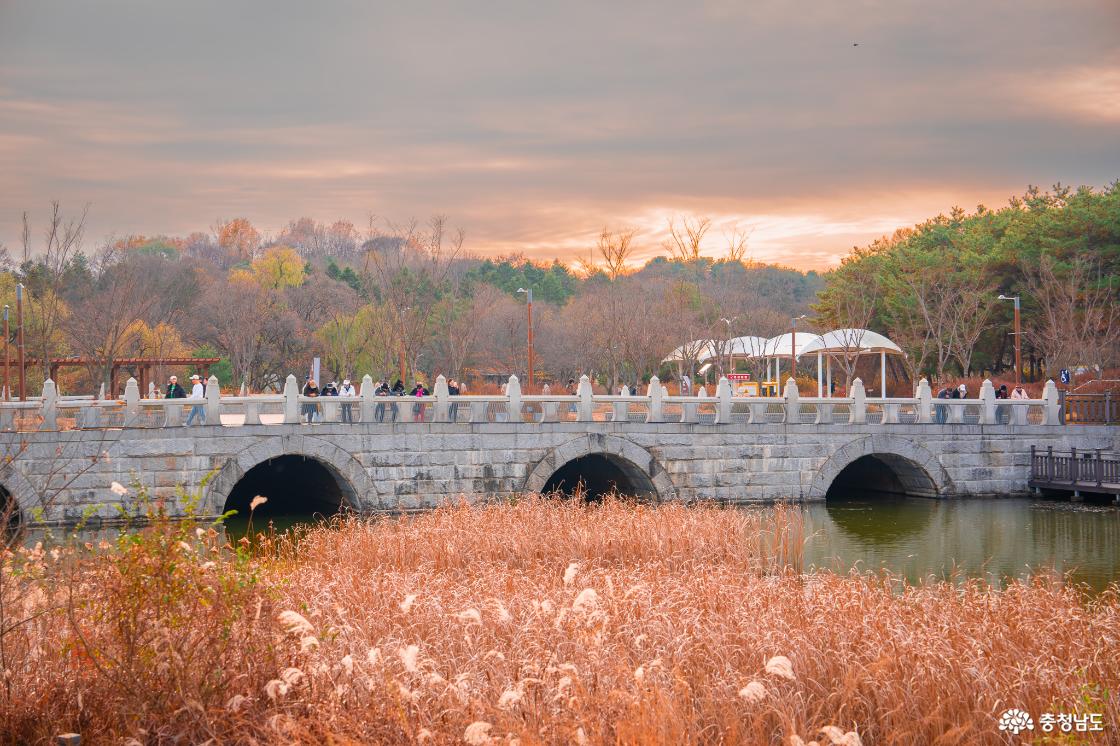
(539, 621)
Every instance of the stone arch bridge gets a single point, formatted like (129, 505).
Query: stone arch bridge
(61, 456)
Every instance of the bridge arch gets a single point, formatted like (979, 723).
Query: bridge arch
(605, 458)
(15, 487)
(307, 459)
(917, 470)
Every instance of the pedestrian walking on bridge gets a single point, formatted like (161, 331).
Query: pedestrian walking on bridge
(198, 393)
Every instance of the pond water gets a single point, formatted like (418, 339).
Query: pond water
(994, 539)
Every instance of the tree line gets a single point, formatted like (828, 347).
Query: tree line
(389, 297)
(934, 288)
(411, 296)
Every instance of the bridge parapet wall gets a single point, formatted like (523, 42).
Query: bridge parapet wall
(411, 465)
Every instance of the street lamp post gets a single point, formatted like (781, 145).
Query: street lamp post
(730, 346)
(793, 347)
(529, 304)
(7, 358)
(19, 343)
(400, 349)
(1018, 335)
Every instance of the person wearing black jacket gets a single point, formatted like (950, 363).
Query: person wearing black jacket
(453, 390)
(381, 390)
(174, 390)
(310, 409)
(397, 390)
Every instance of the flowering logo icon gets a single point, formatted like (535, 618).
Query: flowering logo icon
(1015, 721)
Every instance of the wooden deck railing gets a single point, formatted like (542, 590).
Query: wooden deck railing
(1088, 470)
(1090, 409)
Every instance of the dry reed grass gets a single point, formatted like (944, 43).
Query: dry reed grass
(539, 621)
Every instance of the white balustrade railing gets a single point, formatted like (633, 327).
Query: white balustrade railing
(53, 412)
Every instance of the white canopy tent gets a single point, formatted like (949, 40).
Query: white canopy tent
(748, 347)
(839, 342)
(698, 349)
(850, 343)
(780, 348)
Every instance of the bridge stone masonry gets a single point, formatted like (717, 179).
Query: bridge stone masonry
(61, 455)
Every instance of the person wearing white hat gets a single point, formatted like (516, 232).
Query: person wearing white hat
(198, 393)
(347, 390)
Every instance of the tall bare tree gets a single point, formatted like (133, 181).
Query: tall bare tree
(1078, 320)
(686, 237)
(973, 300)
(107, 323)
(408, 269)
(736, 240)
(62, 240)
(616, 247)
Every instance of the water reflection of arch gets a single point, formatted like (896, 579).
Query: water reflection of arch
(881, 521)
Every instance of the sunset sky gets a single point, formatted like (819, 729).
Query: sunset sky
(532, 125)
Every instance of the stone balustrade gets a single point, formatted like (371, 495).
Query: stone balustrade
(52, 412)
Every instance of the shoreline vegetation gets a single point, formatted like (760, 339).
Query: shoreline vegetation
(532, 621)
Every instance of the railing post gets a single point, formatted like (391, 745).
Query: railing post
(131, 402)
(987, 403)
(1034, 464)
(291, 400)
(1049, 463)
(252, 411)
(586, 406)
(925, 402)
(793, 402)
(513, 399)
(690, 409)
(172, 412)
(656, 406)
(442, 405)
(723, 393)
(1073, 469)
(332, 409)
(620, 411)
(50, 406)
(858, 414)
(366, 392)
(1100, 468)
(91, 419)
(213, 406)
(1051, 404)
(1108, 407)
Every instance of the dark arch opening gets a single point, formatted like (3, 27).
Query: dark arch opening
(10, 516)
(881, 474)
(599, 474)
(296, 487)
